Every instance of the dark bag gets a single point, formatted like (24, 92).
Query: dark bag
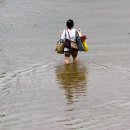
(67, 43)
(59, 47)
(79, 42)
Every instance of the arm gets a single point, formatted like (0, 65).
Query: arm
(81, 35)
(62, 36)
(79, 32)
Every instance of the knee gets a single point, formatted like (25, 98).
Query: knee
(67, 61)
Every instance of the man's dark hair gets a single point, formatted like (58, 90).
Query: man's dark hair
(70, 24)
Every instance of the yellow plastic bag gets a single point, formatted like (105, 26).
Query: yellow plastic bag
(85, 46)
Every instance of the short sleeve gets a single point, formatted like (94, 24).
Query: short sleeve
(63, 35)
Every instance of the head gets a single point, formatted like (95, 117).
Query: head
(70, 24)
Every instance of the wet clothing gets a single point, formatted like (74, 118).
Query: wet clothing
(72, 52)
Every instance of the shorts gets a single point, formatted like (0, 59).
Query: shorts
(73, 52)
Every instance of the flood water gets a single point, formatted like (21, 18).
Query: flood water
(39, 92)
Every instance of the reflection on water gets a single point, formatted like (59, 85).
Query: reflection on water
(73, 79)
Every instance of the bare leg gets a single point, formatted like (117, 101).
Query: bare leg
(67, 60)
(74, 55)
(67, 57)
(75, 60)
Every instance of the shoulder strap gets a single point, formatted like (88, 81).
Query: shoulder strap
(69, 34)
(65, 33)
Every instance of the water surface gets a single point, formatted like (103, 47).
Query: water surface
(39, 92)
